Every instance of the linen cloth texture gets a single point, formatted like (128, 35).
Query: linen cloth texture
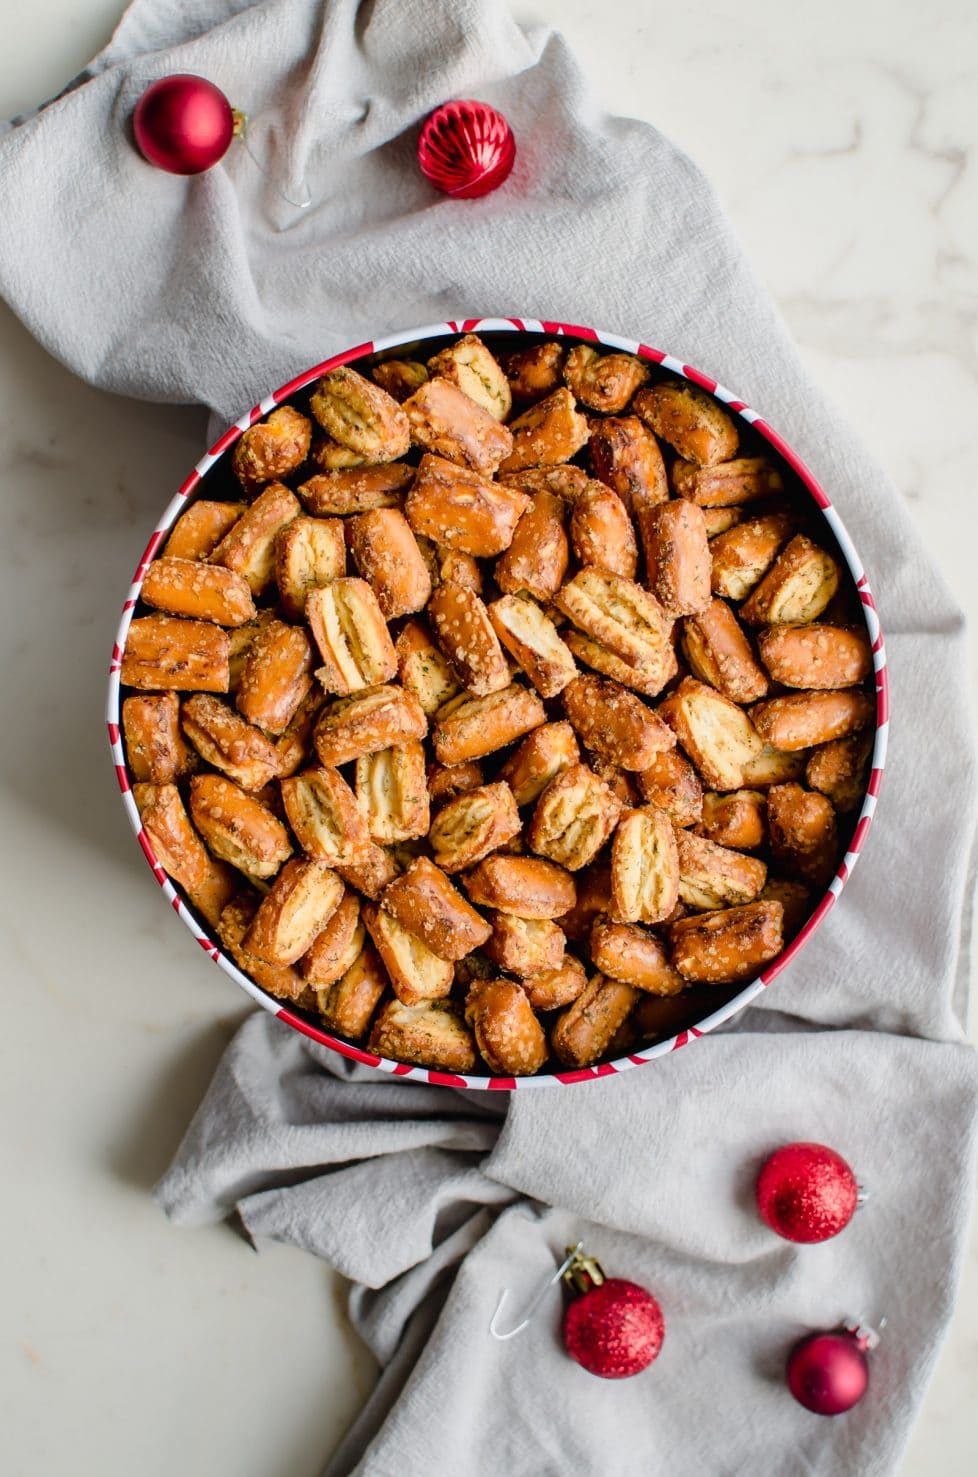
(216, 289)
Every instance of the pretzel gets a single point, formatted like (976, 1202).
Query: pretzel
(717, 735)
(729, 946)
(802, 719)
(604, 382)
(573, 818)
(238, 828)
(525, 886)
(471, 727)
(352, 636)
(795, 899)
(727, 483)
(280, 980)
(366, 722)
(507, 1032)
(719, 520)
(742, 555)
(294, 747)
(771, 766)
(416, 973)
(536, 560)
(838, 770)
(304, 897)
(360, 415)
(626, 457)
(535, 372)
(468, 640)
(444, 420)
(445, 781)
(583, 1032)
(656, 669)
(690, 420)
(276, 676)
(593, 900)
(618, 614)
(472, 824)
(602, 532)
(563, 480)
(553, 988)
(356, 490)
(797, 587)
(347, 1005)
(425, 902)
(622, 951)
(619, 781)
(323, 812)
(176, 845)
(228, 741)
(199, 530)
(468, 364)
(370, 870)
(423, 670)
(817, 656)
(804, 835)
(249, 547)
(540, 757)
(164, 652)
(309, 552)
(399, 377)
(719, 653)
(327, 455)
(240, 641)
(670, 783)
(531, 639)
(271, 449)
(336, 946)
(551, 431)
(386, 554)
(677, 556)
(212, 893)
(614, 723)
(644, 867)
(453, 567)
(525, 946)
(713, 876)
(737, 819)
(432, 1034)
(155, 746)
(393, 792)
(460, 509)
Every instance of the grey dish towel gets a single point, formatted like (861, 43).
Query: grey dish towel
(215, 289)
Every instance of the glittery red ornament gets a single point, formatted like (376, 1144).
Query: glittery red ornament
(614, 1328)
(183, 124)
(806, 1192)
(466, 149)
(828, 1373)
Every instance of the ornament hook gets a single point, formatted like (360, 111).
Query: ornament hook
(573, 1252)
(241, 122)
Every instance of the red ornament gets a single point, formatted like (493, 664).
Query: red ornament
(466, 149)
(613, 1328)
(806, 1192)
(828, 1373)
(183, 124)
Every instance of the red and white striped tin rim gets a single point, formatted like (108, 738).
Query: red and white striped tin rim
(750, 991)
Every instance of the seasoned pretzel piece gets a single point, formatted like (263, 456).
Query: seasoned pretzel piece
(377, 718)
(467, 828)
(553, 988)
(802, 719)
(526, 886)
(337, 945)
(584, 1031)
(737, 819)
(280, 980)
(795, 899)
(644, 867)
(309, 552)
(399, 377)
(551, 431)
(199, 530)
(573, 818)
(249, 548)
(771, 766)
(593, 901)
(416, 973)
(728, 483)
(713, 876)
(626, 457)
(214, 891)
(356, 490)
(471, 727)
(325, 816)
(294, 748)
(541, 756)
(370, 871)
(165, 652)
(360, 415)
(729, 946)
(445, 781)
(428, 905)
(327, 455)
(649, 678)
(717, 735)
(620, 781)
(797, 587)
(719, 653)
(452, 567)
(603, 381)
(393, 793)
(432, 1035)
(531, 639)
(690, 420)
(178, 848)
(347, 1005)
(352, 636)
(386, 554)
(564, 480)
(154, 744)
(468, 364)
(226, 740)
(468, 640)
(602, 532)
(536, 560)
(525, 946)
(459, 509)
(677, 556)
(276, 676)
(444, 420)
(272, 448)
(614, 722)
(240, 641)
(617, 614)
(507, 1033)
(816, 656)
(804, 835)
(670, 783)
(423, 670)
(743, 554)
(238, 828)
(719, 520)
(622, 951)
(535, 372)
(304, 897)
(838, 770)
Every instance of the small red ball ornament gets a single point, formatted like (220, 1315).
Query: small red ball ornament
(466, 149)
(614, 1328)
(828, 1373)
(806, 1192)
(183, 124)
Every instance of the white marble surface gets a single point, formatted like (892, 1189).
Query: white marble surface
(842, 138)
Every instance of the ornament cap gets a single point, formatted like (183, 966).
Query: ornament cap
(582, 1271)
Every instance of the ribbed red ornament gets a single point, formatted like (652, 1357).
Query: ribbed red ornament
(183, 124)
(806, 1192)
(466, 149)
(828, 1373)
(615, 1330)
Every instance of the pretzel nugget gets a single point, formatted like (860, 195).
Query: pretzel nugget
(276, 676)
(336, 946)
(536, 560)
(199, 530)
(459, 509)
(356, 490)
(729, 946)
(626, 457)
(444, 420)
(531, 639)
(432, 1034)
(370, 870)
(728, 483)
(249, 548)
(352, 636)
(323, 812)
(690, 420)
(717, 735)
(468, 364)
(712, 876)
(603, 382)
(644, 867)
(615, 723)
(584, 1031)
(360, 416)
(211, 895)
(742, 555)
(507, 1032)
(551, 431)
(624, 952)
(347, 1005)
(445, 781)
(816, 656)
(564, 480)
(280, 980)
(795, 899)
(238, 828)
(177, 847)
(368, 721)
(423, 670)
(164, 652)
(802, 719)
(386, 554)
(309, 552)
(154, 744)
(737, 819)
(226, 740)
(670, 783)
(471, 727)
(771, 766)
(593, 901)
(541, 756)
(677, 556)
(327, 455)
(719, 653)
(649, 678)
(294, 747)
(399, 377)
(838, 770)
(573, 818)
(536, 372)
(797, 587)
(416, 973)
(525, 946)
(473, 824)
(526, 886)
(272, 448)
(466, 636)
(618, 614)
(304, 897)
(425, 902)
(804, 835)
(602, 532)
(552, 989)
(393, 792)
(719, 520)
